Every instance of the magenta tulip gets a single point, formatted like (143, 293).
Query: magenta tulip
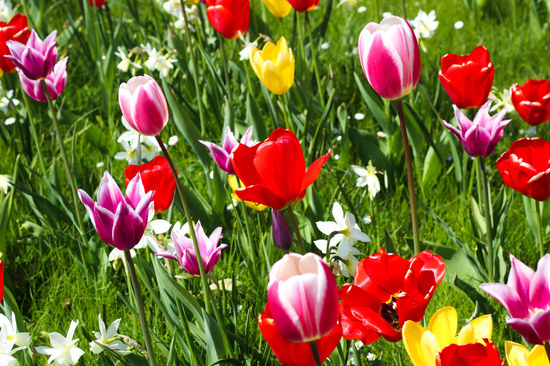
(143, 105)
(120, 221)
(390, 57)
(303, 297)
(37, 58)
(55, 82)
(282, 236)
(526, 296)
(221, 154)
(480, 137)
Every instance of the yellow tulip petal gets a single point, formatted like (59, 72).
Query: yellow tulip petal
(282, 45)
(466, 335)
(412, 340)
(516, 354)
(255, 206)
(272, 78)
(430, 347)
(270, 52)
(232, 180)
(257, 62)
(483, 327)
(283, 61)
(443, 325)
(538, 357)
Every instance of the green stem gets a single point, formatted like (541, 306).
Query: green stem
(314, 60)
(547, 349)
(282, 27)
(376, 12)
(132, 299)
(248, 78)
(297, 229)
(138, 150)
(315, 352)
(410, 177)
(224, 65)
(487, 218)
(205, 288)
(539, 222)
(404, 9)
(34, 134)
(283, 106)
(141, 310)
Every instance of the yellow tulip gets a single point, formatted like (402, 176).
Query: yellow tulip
(274, 66)
(232, 180)
(518, 355)
(279, 8)
(423, 345)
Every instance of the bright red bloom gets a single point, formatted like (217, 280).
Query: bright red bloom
(303, 5)
(296, 354)
(468, 79)
(229, 16)
(470, 354)
(97, 3)
(156, 176)
(274, 171)
(1, 280)
(388, 291)
(16, 30)
(532, 101)
(525, 167)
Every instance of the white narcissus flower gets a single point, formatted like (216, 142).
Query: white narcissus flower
(125, 64)
(5, 183)
(20, 339)
(64, 351)
(154, 227)
(129, 153)
(248, 46)
(107, 338)
(6, 11)
(424, 25)
(504, 102)
(6, 349)
(367, 177)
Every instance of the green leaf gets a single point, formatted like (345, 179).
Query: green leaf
(474, 295)
(432, 164)
(388, 243)
(373, 103)
(254, 118)
(367, 148)
(214, 339)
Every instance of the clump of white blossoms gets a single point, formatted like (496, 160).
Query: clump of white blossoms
(9, 338)
(424, 26)
(125, 62)
(157, 61)
(173, 7)
(64, 351)
(502, 100)
(6, 11)
(130, 140)
(107, 338)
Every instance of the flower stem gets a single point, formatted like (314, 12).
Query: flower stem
(224, 65)
(410, 177)
(283, 106)
(314, 61)
(487, 218)
(376, 11)
(138, 150)
(205, 288)
(141, 311)
(297, 229)
(404, 9)
(315, 352)
(547, 349)
(539, 222)
(34, 134)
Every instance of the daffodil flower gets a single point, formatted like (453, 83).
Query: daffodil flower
(125, 62)
(20, 339)
(6, 349)
(367, 177)
(64, 351)
(107, 338)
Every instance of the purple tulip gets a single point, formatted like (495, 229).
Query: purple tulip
(390, 58)
(526, 296)
(55, 82)
(221, 155)
(303, 297)
(37, 58)
(185, 252)
(282, 236)
(120, 221)
(480, 137)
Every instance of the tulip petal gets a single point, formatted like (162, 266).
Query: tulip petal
(128, 227)
(109, 195)
(483, 327)
(507, 298)
(443, 325)
(540, 285)
(313, 172)
(412, 337)
(525, 329)
(88, 204)
(262, 195)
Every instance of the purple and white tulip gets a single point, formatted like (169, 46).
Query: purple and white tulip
(480, 137)
(37, 58)
(390, 57)
(303, 297)
(526, 296)
(221, 154)
(120, 221)
(143, 105)
(55, 82)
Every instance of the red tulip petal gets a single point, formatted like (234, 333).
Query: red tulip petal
(313, 172)
(261, 194)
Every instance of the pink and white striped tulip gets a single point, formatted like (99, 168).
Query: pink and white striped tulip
(303, 297)
(390, 57)
(143, 105)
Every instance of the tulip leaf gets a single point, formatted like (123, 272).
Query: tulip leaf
(321, 29)
(254, 118)
(419, 123)
(367, 148)
(388, 243)
(432, 164)
(373, 103)
(270, 106)
(214, 339)
(474, 295)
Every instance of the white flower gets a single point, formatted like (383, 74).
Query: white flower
(386, 14)
(424, 25)
(504, 102)
(7, 100)
(119, 254)
(359, 116)
(211, 175)
(5, 181)
(459, 24)
(339, 138)
(129, 153)
(371, 357)
(99, 165)
(164, 65)
(132, 136)
(248, 46)
(157, 61)
(351, 3)
(325, 46)
(107, 338)
(358, 344)
(20, 339)
(125, 64)
(174, 7)
(9, 121)
(355, 51)
(64, 351)
(381, 134)
(362, 9)
(367, 219)
(6, 351)
(336, 157)
(173, 140)
(6, 11)
(154, 227)
(367, 177)
(148, 152)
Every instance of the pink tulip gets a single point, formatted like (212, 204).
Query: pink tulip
(303, 297)
(55, 82)
(37, 58)
(390, 57)
(143, 105)
(221, 154)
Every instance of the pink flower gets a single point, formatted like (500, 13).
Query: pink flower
(55, 82)
(390, 57)
(221, 154)
(37, 58)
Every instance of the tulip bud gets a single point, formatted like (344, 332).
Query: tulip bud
(303, 297)
(143, 105)
(55, 83)
(274, 66)
(304, 5)
(282, 236)
(279, 8)
(390, 57)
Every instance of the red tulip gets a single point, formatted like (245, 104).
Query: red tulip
(229, 16)
(470, 354)
(274, 171)
(97, 3)
(532, 101)
(388, 291)
(524, 167)
(1, 280)
(296, 354)
(16, 30)
(468, 79)
(303, 5)
(156, 176)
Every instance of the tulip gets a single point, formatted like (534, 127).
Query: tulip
(120, 221)
(274, 66)
(524, 167)
(274, 171)
(518, 355)
(282, 236)
(303, 297)
(234, 184)
(279, 8)
(296, 354)
(16, 30)
(388, 291)
(526, 296)
(467, 79)
(97, 3)
(471, 354)
(143, 105)
(156, 176)
(480, 137)
(185, 253)
(423, 345)
(220, 154)
(532, 101)
(55, 82)
(36, 58)
(303, 5)
(390, 57)
(229, 16)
